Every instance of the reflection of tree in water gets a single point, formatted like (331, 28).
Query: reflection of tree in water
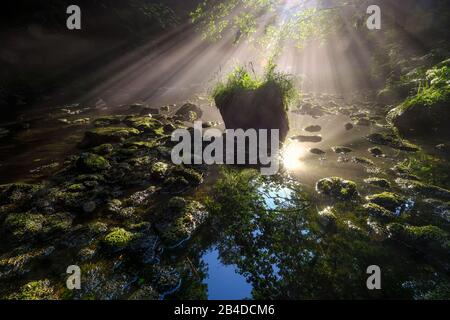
(287, 250)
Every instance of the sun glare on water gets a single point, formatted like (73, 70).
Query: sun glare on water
(292, 155)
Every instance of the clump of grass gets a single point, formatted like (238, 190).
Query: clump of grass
(243, 79)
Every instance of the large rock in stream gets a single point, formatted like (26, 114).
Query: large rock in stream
(261, 108)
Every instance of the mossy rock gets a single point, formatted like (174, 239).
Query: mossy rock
(376, 152)
(192, 176)
(363, 161)
(379, 182)
(337, 188)
(108, 121)
(187, 217)
(146, 124)
(189, 112)
(392, 141)
(92, 163)
(427, 111)
(423, 189)
(99, 136)
(389, 201)
(57, 223)
(17, 192)
(104, 149)
(159, 170)
(35, 290)
(327, 220)
(23, 226)
(428, 237)
(118, 239)
(378, 212)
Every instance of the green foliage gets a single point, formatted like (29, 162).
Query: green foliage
(297, 22)
(431, 169)
(434, 89)
(242, 79)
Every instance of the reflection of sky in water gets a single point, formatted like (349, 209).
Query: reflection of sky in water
(224, 283)
(273, 196)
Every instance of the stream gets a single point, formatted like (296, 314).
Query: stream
(268, 253)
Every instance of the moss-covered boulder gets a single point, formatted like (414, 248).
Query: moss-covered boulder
(16, 193)
(101, 136)
(35, 290)
(393, 141)
(108, 121)
(92, 163)
(327, 220)
(118, 239)
(428, 110)
(182, 220)
(338, 188)
(21, 227)
(376, 152)
(423, 189)
(145, 124)
(378, 212)
(389, 201)
(159, 170)
(189, 112)
(104, 149)
(429, 238)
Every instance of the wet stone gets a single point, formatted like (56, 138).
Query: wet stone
(313, 128)
(349, 126)
(376, 152)
(342, 150)
(303, 138)
(317, 151)
(379, 182)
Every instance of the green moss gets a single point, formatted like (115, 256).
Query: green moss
(159, 170)
(107, 121)
(425, 190)
(337, 188)
(388, 200)
(90, 162)
(23, 226)
(58, 222)
(177, 204)
(392, 140)
(103, 149)
(146, 124)
(101, 136)
(188, 216)
(77, 187)
(17, 192)
(118, 238)
(35, 290)
(429, 168)
(430, 237)
(378, 212)
(190, 175)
